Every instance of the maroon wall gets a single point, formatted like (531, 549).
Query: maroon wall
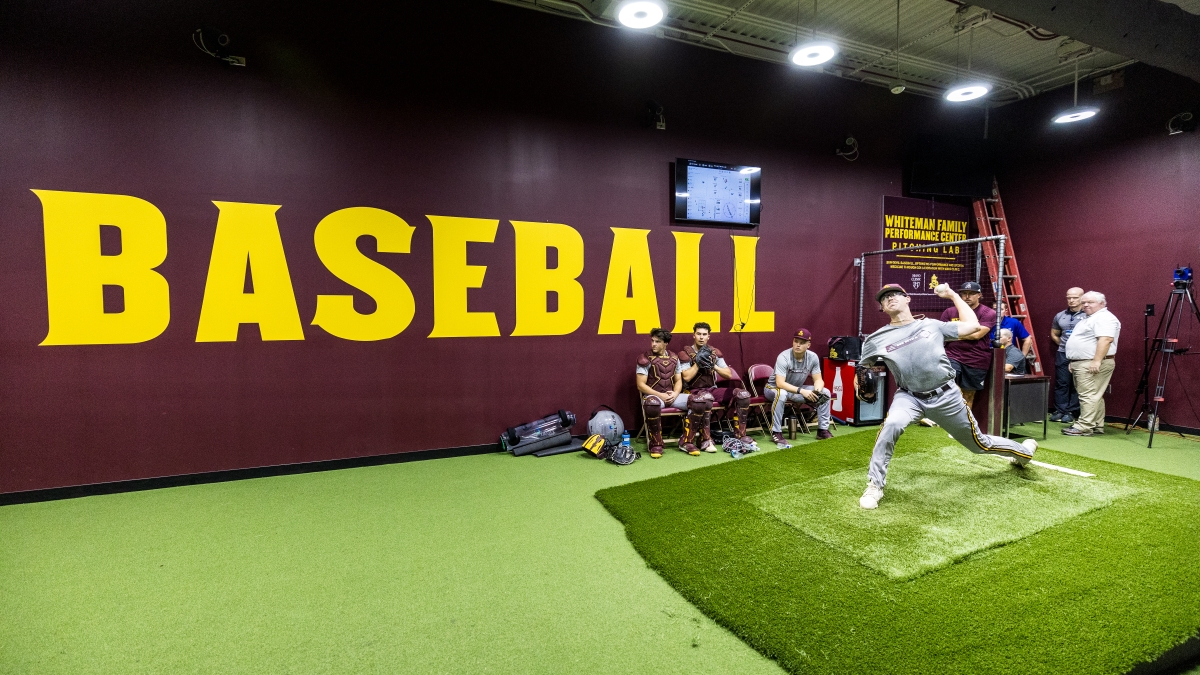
(465, 109)
(1112, 205)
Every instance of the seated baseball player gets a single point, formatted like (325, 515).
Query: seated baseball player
(792, 369)
(701, 365)
(913, 349)
(659, 385)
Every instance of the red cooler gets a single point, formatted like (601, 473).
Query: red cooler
(843, 405)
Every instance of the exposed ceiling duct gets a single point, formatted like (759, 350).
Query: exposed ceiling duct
(1154, 32)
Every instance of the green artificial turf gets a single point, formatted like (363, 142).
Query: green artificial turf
(944, 504)
(481, 564)
(1099, 591)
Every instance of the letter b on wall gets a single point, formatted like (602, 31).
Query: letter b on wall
(77, 271)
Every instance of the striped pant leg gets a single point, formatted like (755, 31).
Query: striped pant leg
(950, 411)
(905, 410)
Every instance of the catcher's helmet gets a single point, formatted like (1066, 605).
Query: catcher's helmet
(606, 423)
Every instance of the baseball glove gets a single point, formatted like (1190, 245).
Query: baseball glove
(704, 358)
(623, 455)
(866, 378)
(821, 398)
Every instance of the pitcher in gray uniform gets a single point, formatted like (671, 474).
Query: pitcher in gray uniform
(913, 350)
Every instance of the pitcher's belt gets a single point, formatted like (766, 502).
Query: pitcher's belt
(926, 395)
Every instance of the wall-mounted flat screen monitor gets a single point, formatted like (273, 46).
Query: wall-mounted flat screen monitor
(708, 192)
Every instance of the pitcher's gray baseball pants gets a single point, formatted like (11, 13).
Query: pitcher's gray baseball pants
(950, 411)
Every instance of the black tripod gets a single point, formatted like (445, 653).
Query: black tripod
(1160, 350)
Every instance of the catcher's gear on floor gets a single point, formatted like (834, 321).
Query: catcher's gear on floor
(738, 448)
(606, 423)
(867, 379)
(623, 454)
(597, 447)
(617, 453)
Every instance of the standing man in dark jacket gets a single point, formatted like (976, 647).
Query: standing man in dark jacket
(971, 355)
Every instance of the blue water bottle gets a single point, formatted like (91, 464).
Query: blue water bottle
(625, 439)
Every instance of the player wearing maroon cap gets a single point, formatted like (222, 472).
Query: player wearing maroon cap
(701, 365)
(913, 349)
(792, 369)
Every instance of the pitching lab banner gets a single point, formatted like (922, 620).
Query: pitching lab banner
(915, 222)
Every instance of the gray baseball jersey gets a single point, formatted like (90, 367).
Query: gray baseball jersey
(795, 372)
(915, 353)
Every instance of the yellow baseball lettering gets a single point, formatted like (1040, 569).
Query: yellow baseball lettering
(747, 319)
(452, 277)
(534, 280)
(77, 272)
(629, 293)
(687, 285)
(335, 240)
(248, 243)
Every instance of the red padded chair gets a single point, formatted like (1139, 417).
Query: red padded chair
(762, 373)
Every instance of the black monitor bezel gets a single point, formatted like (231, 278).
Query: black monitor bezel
(679, 198)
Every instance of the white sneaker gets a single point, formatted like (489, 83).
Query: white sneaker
(871, 497)
(1031, 446)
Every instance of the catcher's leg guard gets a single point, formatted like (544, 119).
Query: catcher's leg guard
(705, 431)
(652, 406)
(741, 413)
(694, 423)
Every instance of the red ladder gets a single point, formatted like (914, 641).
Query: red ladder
(989, 217)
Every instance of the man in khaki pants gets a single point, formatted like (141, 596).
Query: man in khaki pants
(1092, 351)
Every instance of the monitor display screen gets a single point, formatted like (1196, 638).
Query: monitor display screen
(708, 192)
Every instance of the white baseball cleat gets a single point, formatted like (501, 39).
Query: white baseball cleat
(871, 497)
(1031, 446)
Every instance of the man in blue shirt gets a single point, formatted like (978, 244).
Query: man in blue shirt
(1020, 335)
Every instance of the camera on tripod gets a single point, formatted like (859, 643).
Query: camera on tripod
(1162, 349)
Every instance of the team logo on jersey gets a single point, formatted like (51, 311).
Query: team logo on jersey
(919, 335)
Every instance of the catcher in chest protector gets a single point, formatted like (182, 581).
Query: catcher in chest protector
(659, 384)
(701, 363)
(912, 348)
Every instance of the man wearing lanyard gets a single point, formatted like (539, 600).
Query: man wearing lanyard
(1092, 351)
(1066, 399)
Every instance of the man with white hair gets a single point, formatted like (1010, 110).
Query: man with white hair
(1092, 350)
(1014, 359)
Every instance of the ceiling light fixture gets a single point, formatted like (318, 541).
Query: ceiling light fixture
(1076, 112)
(641, 13)
(968, 91)
(898, 86)
(814, 52)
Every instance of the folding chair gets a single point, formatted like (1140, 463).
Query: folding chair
(759, 402)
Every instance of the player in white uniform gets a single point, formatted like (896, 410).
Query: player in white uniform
(913, 350)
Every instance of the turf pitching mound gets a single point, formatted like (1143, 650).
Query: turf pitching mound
(969, 565)
(945, 505)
